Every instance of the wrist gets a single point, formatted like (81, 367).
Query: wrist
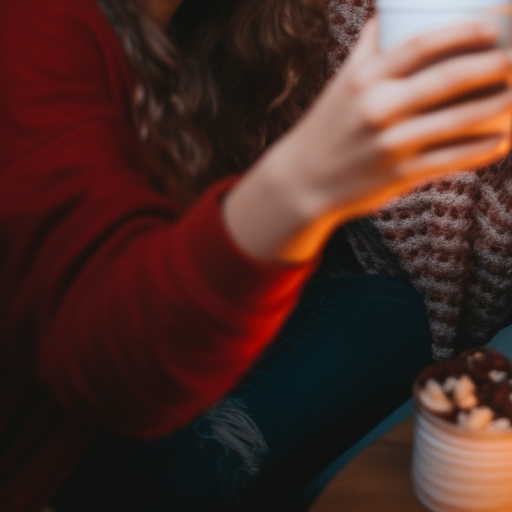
(274, 213)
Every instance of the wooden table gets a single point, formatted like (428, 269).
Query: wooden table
(376, 480)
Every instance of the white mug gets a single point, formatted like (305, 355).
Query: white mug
(399, 20)
(456, 470)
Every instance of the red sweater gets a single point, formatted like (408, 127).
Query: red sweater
(116, 311)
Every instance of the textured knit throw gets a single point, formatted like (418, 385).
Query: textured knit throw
(451, 239)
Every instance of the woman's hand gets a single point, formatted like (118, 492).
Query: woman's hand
(384, 124)
(389, 121)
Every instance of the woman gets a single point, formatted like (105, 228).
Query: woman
(139, 283)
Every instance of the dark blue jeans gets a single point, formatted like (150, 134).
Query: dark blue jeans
(345, 359)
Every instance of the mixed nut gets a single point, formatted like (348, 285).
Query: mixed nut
(473, 390)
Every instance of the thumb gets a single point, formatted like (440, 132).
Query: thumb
(368, 43)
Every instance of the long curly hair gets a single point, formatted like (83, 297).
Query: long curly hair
(224, 81)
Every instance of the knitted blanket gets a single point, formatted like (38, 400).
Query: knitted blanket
(452, 239)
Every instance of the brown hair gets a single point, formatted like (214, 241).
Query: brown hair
(227, 79)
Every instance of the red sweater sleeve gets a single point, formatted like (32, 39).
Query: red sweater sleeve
(132, 316)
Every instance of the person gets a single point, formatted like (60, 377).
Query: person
(167, 191)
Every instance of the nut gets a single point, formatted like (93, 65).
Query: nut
(464, 393)
(450, 384)
(477, 418)
(498, 375)
(500, 425)
(434, 398)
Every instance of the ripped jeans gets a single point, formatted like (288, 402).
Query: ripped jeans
(345, 359)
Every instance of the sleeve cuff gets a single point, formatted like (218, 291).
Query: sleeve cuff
(228, 268)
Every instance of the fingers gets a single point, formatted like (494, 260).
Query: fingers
(439, 44)
(424, 49)
(479, 117)
(467, 156)
(391, 100)
(437, 163)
